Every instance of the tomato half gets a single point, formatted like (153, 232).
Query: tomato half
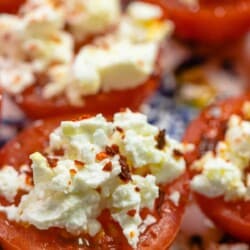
(35, 106)
(204, 133)
(10, 6)
(212, 22)
(158, 236)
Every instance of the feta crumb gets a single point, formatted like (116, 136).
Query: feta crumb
(11, 182)
(175, 198)
(149, 220)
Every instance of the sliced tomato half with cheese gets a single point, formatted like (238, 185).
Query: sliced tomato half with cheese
(16, 236)
(205, 132)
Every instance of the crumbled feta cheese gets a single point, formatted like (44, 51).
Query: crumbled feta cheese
(102, 68)
(222, 173)
(11, 36)
(11, 182)
(115, 61)
(15, 76)
(57, 49)
(146, 223)
(143, 23)
(42, 22)
(144, 11)
(87, 18)
(97, 171)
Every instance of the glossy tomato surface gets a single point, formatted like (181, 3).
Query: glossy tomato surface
(213, 22)
(10, 6)
(35, 106)
(204, 133)
(158, 236)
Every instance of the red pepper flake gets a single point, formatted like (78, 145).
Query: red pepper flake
(125, 171)
(161, 139)
(108, 167)
(52, 162)
(245, 175)
(101, 156)
(72, 171)
(160, 200)
(55, 38)
(131, 212)
(82, 117)
(119, 129)
(28, 180)
(132, 234)
(58, 152)
(137, 189)
(79, 164)
(177, 154)
(112, 151)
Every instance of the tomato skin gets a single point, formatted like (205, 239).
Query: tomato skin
(232, 217)
(17, 237)
(213, 23)
(10, 6)
(35, 106)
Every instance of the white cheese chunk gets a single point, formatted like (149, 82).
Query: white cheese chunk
(11, 182)
(87, 18)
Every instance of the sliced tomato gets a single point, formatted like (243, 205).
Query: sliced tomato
(158, 236)
(212, 22)
(10, 6)
(35, 106)
(204, 133)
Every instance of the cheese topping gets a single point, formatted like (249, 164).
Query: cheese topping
(11, 182)
(39, 42)
(224, 173)
(87, 18)
(83, 18)
(101, 165)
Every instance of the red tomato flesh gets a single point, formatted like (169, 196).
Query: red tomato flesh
(232, 217)
(158, 236)
(35, 106)
(10, 6)
(213, 22)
